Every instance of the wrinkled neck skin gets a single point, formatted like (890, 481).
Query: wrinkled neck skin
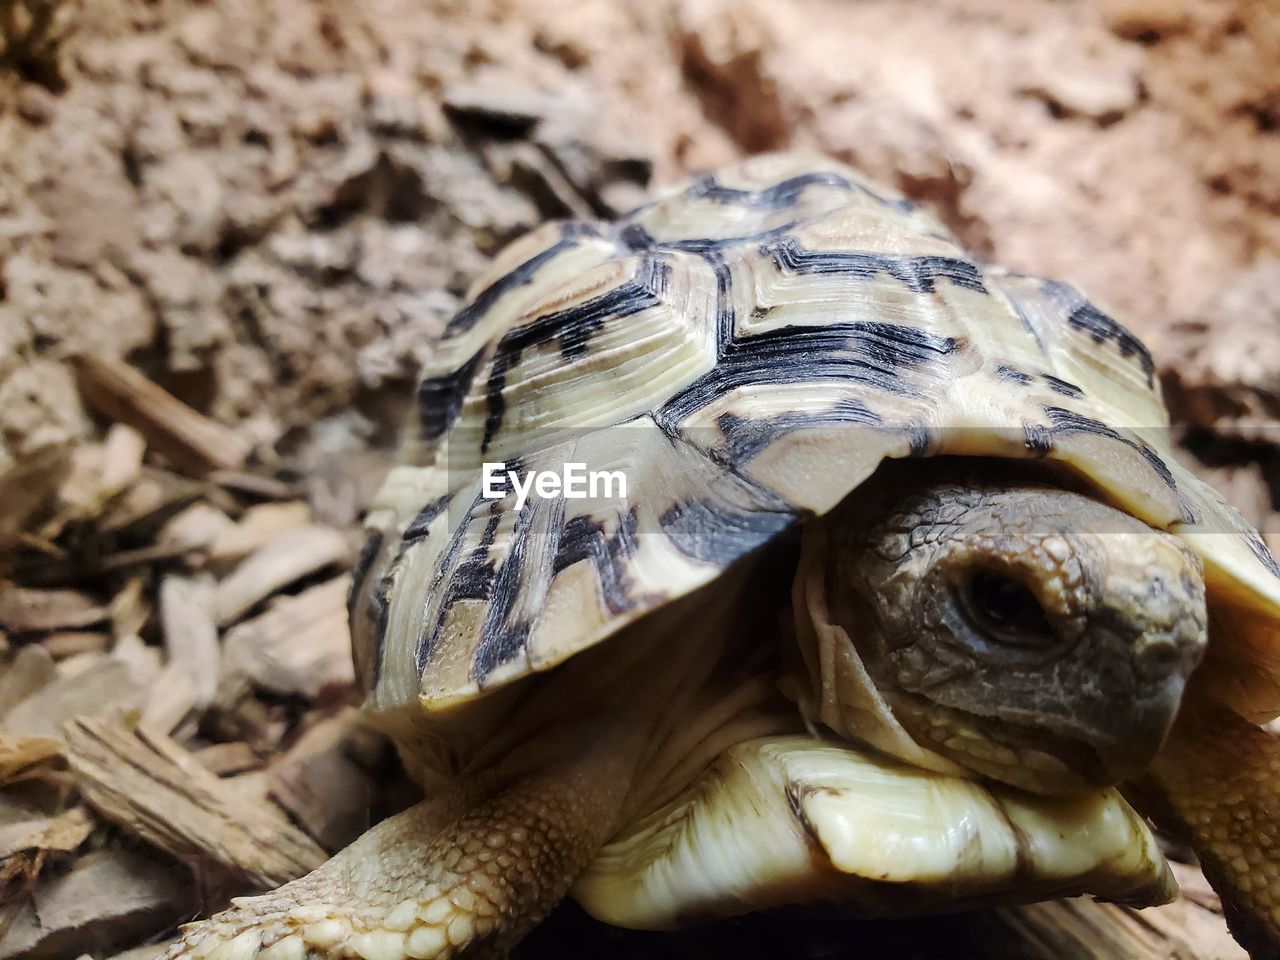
(1007, 629)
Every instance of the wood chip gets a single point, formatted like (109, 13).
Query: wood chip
(225, 759)
(538, 176)
(1082, 929)
(108, 898)
(27, 610)
(152, 787)
(18, 754)
(31, 669)
(60, 834)
(186, 438)
(109, 683)
(69, 643)
(143, 660)
(289, 557)
(100, 472)
(151, 951)
(170, 699)
(254, 484)
(260, 525)
(130, 608)
(156, 496)
(318, 782)
(509, 108)
(300, 646)
(195, 528)
(190, 634)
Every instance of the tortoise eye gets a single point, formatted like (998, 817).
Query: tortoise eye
(1005, 608)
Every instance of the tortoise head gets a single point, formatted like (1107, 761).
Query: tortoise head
(1024, 631)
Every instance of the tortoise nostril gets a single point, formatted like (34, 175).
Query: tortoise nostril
(1160, 657)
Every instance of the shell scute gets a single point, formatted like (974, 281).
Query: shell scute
(745, 349)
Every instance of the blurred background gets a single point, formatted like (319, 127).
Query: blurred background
(230, 231)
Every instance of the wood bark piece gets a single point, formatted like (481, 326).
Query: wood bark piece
(260, 525)
(58, 834)
(98, 473)
(31, 669)
(195, 528)
(151, 951)
(102, 686)
(301, 645)
(321, 785)
(70, 643)
(170, 699)
(289, 557)
(153, 788)
(109, 897)
(18, 754)
(1083, 929)
(188, 439)
(157, 495)
(225, 759)
(28, 610)
(143, 659)
(190, 633)
(130, 608)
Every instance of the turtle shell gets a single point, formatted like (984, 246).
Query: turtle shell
(745, 350)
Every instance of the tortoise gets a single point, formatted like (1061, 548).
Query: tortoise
(891, 596)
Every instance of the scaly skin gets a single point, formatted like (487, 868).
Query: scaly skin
(471, 871)
(1217, 781)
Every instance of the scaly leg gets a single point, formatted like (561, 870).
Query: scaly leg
(1217, 780)
(470, 871)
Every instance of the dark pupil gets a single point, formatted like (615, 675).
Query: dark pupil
(1006, 606)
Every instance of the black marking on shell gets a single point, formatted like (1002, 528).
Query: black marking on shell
(745, 437)
(726, 316)
(1004, 372)
(715, 534)
(486, 299)
(1056, 384)
(367, 656)
(785, 193)
(918, 274)
(1038, 439)
(1064, 387)
(1260, 551)
(417, 528)
(369, 550)
(473, 579)
(469, 578)
(501, 639)
(797, 810)
(869, 353)
(573, 328)
(1083, 315)
(379, 640)
(1063, 421)
(440, 398)
(583, 538)
(636, 238)
(919, 439)
(1023, 317)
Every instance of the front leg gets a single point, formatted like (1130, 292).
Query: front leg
(470, 871)
(1217, 782)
